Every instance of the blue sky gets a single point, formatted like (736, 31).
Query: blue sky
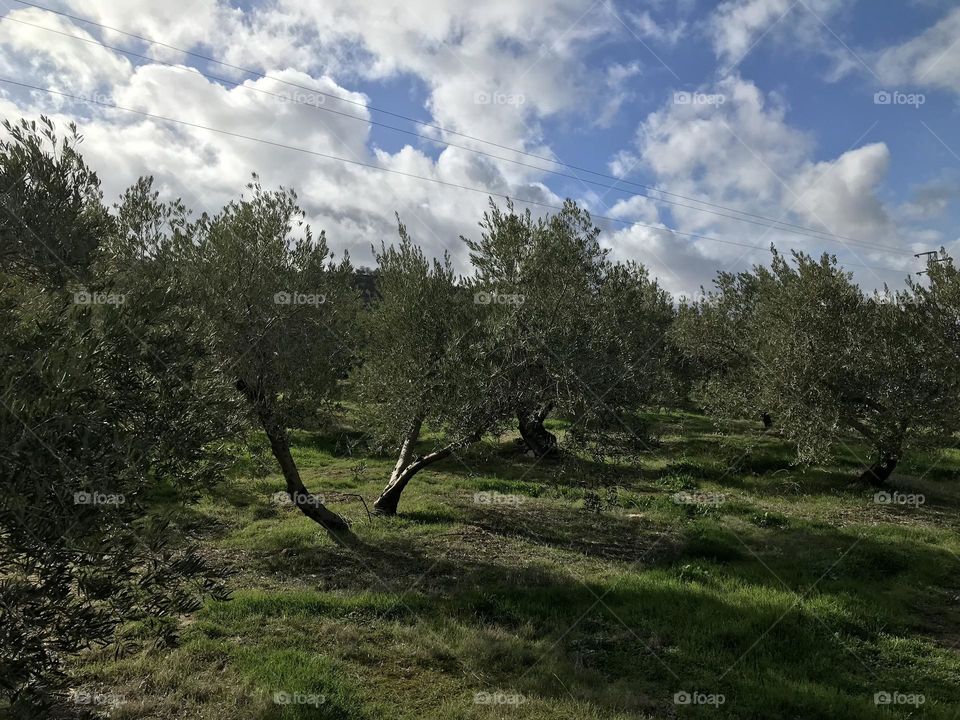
(783, 121)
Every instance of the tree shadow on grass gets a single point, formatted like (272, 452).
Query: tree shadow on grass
(626, 643)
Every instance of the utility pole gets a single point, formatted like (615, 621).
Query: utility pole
(930, 255)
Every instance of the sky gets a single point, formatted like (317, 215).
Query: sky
(697, 133)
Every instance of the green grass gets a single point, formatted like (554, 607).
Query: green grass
(795, 597)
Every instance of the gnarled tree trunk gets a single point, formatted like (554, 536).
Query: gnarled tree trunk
(878, 473)
(407, 467)
(538, 439)
(387, 503)
(310, 505)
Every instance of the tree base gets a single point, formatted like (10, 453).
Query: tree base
(537, 439)
(878, 473)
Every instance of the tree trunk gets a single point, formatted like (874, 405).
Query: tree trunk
(308, 504)
(767, 420)
(387, 503)
(538, 439)
(406, 450)
(877, 474)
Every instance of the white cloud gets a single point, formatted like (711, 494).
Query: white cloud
(842, 194)
(28, 52)
(646, 27)
(618, 92)
(931, 59)
(932, 199)
(453, 51)
(737, 26)
(744, 154)
(530, 56)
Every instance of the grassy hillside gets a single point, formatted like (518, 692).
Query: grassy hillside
(511, 588)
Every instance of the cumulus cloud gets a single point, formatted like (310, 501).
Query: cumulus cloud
(498, 71)
(524, 60)
(739, 150)
(65, 65)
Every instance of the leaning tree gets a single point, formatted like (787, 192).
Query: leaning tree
(422, 367)
(280, 316)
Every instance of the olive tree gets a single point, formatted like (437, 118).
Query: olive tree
(422, 365)
(536, 280)
(628, 359)
(804, 341)
(938, 302)
(104, 397)
(53, 215)
(280, 315)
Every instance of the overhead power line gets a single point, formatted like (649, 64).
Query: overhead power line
(316, 153)
(773, 223)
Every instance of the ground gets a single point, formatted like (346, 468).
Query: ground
(512, 588)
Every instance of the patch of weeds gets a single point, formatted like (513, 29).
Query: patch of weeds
(770, 520)
(690, 573)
